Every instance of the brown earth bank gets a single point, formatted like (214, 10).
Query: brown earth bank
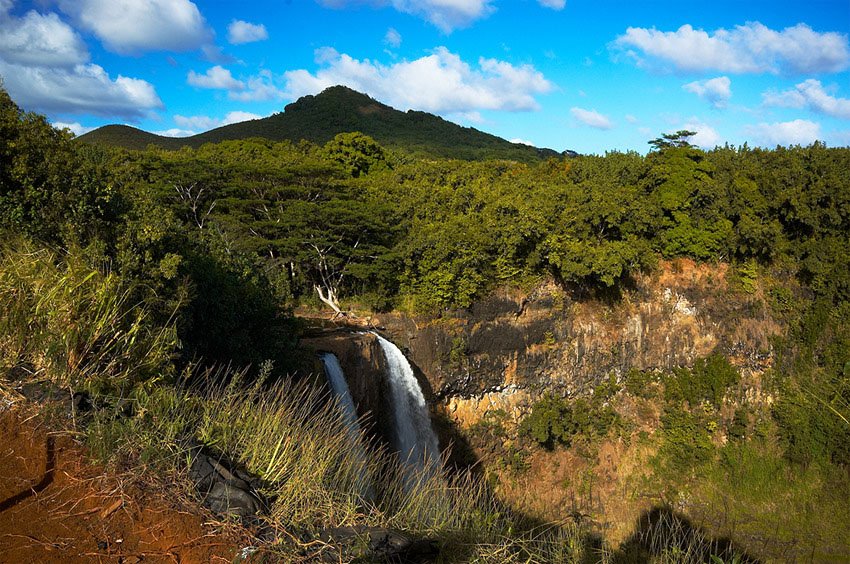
(57, 507)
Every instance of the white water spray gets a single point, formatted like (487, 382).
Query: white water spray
(336, 378)
(417, 442)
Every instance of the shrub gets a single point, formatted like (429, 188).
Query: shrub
(707, 381)
(556, 420)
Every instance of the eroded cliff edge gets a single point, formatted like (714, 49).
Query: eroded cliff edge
(508, 349)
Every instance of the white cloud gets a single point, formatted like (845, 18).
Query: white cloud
(591, 118)
(42, 40)
(632, 119)
(243, 32)
(440, 83)
(447, 15)
(215, 77)
(797, 132)
(205, 123)
(554, 4)
(392, 38)
(786, 99)
(81, 89)
(706, 136)
(811, 94)
(523, 142)
(750, 48)
(175, 132)
(75, 127)
(262, 87)
(136, 26)
(716, 91)
(44, 65)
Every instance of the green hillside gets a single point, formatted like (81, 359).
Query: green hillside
(339, 109)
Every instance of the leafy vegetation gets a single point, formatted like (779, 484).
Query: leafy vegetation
(131, 274)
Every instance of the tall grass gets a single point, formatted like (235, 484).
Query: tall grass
(70, 323)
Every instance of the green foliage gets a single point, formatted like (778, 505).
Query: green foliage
(707, 381)
(555, 420)
(357, 153)
(746, 275)
(50, 187)
(813, 408)
(75, 325)
(686, 440)
(641, 383)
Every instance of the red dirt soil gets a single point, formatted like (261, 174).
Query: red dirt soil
(55, 507)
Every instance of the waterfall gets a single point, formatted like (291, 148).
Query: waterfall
(417, 443)
(336, 378)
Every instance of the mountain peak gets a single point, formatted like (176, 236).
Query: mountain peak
(338, 109)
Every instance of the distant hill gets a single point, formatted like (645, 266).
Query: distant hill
(339, 109)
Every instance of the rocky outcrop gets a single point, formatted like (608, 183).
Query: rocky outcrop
(507, 349)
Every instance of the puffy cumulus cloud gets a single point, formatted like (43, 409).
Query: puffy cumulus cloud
(447, 15)
(716, 91)
(523, 142)
(810, 94)
(440, 83)
(706, 137)
(797, 132)
(44, 64)
(554, 4)
(392, 38)
(591, 118)
(216, 77)
(205, 123)
(750, 48)
(76, 128)
(80, 89)
(243, 32)
(136, 26)
(40, 39)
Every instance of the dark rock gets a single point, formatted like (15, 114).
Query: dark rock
(46, 391)
(81, 402)
(231, 500)
(43, 391)
(377, 544)
(223, 492)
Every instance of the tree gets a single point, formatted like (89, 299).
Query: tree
(679, 139)
(356, 152)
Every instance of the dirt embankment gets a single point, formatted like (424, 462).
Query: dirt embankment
(56, 507)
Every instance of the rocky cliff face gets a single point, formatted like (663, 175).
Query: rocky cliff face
(509, 348)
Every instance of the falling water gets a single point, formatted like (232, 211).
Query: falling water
(336, 378)
(417, 442)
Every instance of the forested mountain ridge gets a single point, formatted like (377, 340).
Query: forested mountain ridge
(338, 110)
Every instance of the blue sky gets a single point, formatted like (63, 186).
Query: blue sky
(575, 74)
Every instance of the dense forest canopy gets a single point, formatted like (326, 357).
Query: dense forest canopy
(228, 237)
